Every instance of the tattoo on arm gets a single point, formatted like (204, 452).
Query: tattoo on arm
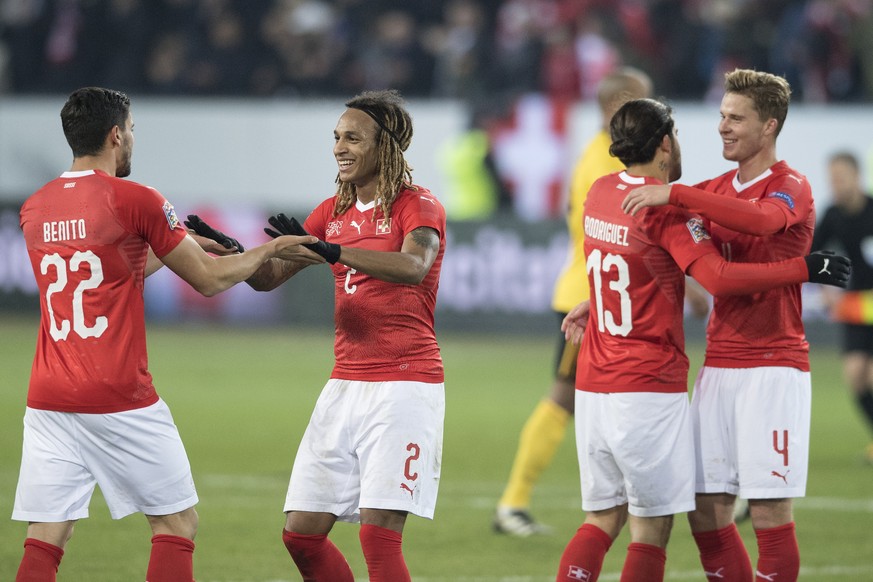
(426, 237)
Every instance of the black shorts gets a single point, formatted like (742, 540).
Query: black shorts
(857, 338)
(566, 355)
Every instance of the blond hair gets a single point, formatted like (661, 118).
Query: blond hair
(770, 94)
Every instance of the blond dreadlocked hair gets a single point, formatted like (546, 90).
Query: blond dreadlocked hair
(386, 108)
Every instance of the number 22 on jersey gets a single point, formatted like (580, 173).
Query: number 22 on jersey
(61, 329)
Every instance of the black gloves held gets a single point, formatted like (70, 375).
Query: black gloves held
(290, 226)
(828, 268)
(197, 225)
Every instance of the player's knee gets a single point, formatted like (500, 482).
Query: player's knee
(183, 524)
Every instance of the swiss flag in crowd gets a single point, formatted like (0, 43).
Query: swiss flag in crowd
(531, 154)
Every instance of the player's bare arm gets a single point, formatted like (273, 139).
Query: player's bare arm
(644, 197)
(154, 264)
(409, 266)
(211, 275)
(276, 271)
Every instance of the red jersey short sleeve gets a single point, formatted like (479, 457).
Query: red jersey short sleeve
(762, 329)
(635, 340)
(384, 331)
(88, 236)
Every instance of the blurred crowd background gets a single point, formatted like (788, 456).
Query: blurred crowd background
(460, 49)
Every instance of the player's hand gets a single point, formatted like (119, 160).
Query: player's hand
(828, 268)
(575, 322)
(295, 248)
(645, 196)
(196, 224)
(290, 226)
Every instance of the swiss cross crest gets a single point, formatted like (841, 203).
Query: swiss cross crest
(383, 226)
(333, 228)
(578, 573)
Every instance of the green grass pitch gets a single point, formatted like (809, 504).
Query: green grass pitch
(242, 397)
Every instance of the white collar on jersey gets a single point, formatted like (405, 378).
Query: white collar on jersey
(364, 207)
(77, 174)
(625, 177)
(739, 187)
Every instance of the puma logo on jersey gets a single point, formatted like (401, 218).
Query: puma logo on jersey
(769, 577)
(825, 268)
(431, 200)
(357, 226)
(799, 181)
(717, 574)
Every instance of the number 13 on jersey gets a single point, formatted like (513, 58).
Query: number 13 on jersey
(597, 263)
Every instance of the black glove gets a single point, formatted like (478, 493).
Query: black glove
(290, 226)
(197, 225)
(828, 268)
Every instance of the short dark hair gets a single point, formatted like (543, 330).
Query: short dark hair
(637, 129)
(88, 116)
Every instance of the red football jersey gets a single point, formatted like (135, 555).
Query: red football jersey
(635, 340)
(88, 235)
(762, 329)
(384, 331)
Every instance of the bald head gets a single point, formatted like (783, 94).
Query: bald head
(619, 87)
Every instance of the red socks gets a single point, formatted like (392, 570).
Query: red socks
(40, 562)
(583, 557)
(723, 555)
(644, 563)
(317, 559)
(778, 555)
(383, 554)
(171, 560)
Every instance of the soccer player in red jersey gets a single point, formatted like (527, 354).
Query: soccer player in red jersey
(633, 426)
(372, 450)
(752, 398)
(93, 416)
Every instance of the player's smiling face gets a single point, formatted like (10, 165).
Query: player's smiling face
(743, 133)
(356, 149)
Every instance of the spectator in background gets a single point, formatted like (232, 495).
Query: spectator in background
(460, 49)
(847, 226)
(390, 54)
(474, 190)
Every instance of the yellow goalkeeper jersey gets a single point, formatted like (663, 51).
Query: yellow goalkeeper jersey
(572, 285)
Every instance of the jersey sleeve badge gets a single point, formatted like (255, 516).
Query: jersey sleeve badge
(697, 230)
(170, 213)
(784, 197)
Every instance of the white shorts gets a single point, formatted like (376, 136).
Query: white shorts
(635, 448)
(751, 428)
(373, 445)
(136, 457)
